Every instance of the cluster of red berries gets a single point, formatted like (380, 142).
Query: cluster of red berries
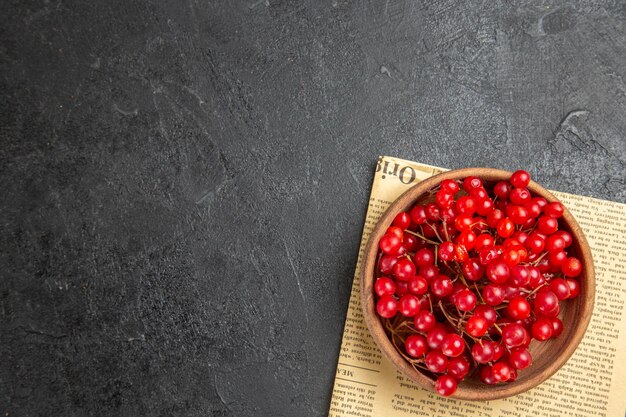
(467, 280)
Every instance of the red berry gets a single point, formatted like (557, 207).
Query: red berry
(424, 321)
(555, 243)
(484, 240)
(387, 306)
(390, 244)
(404, 269)
(487, 312)
(497, 272)
(424, 257)
(547, 225)
(453, 345)
(402, 220)
(465, 300)
(466, 205)
(384, 286)
(520, 178)
(444, 199)
(517, 214)
(571, 267)
(514, 334)
(566, 236)
(472, 182)
(445, 385)
(486, 375)
(535, 243)
(435, 337)
(441, 286)
(554, 209)
(432, 212)
(415, 345)
(394, 230)
(501, 371)
(557, 327)
(482, 352)
(479, 194)
(458, 367)
(502, 190)
(477, 326)
(518, 308)
(472, 269)
(520, 358)
(418, 214)
(560, 288)
(505, 227)
(386, 263)
(493, 294)
(519, 275)
(418, 285)
(402, 288)
(542, 329)
(429, 272)
(408, 305)
(450, 186)
(545, 302)
(446, 251)
(574, 287)
(520, 196)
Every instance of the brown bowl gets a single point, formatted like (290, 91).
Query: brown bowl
(548, 356)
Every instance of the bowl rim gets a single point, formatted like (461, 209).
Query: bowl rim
(377, 330)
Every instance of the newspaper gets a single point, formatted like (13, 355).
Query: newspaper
(592, 382)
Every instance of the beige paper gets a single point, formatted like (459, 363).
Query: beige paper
(592, 383)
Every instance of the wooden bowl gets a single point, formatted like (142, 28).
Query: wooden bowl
(548, 356)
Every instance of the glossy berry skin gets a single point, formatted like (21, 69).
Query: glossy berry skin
(502, 190)
(453, 345)
(404, 269)
(477, 326)
(520, 196)
(446, 251)
(493, 294)
(424, 321)
(386, 263)
(418, 285)
(436, 361)
(574, 287)
(418, 215)
(445, 385)
(458, 367)
(505, 227)
(465, 300)
(435, 337)
(472, 269)
(560, 287)
(545, 302)
(402, 220)
(450, 186)
(487, 312)
(441, 286)
(424, 257)
(571, 267)
(501, 371)
(384, 286)
(520, 179)
(415, 345)
(520, 358)
(483, 353)
(547, 225)
(498, 272)
(514, 335)
(554, 209)
(518, 308)
(542, 329)
(390, 244)
(408, 305)
(486, 375)
(387, 306)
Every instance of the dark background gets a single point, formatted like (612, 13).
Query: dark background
(184, 183)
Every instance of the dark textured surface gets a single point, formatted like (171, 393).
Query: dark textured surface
(184, 183)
